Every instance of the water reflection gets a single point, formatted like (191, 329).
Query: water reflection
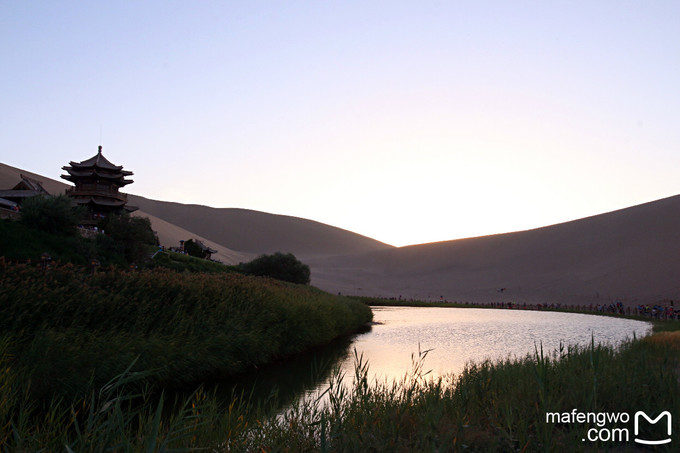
(280, 384)
(455, 336)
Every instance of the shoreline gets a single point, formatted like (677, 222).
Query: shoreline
(613, 311)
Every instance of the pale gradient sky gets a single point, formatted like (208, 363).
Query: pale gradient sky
(408, 122)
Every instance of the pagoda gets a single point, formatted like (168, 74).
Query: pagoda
(97, 183)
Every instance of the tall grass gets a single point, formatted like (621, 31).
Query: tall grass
(68, 330)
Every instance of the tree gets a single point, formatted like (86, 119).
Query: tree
(55, 215)
(193, 249)
(279, 266)
(133, 236)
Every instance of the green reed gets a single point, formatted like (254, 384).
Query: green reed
(68, 329)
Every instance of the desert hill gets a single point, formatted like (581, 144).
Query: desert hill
(632, 254)
(259, 232)
(169, 235)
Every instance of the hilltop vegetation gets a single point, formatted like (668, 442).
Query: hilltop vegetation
(48, 225)
(47, 230)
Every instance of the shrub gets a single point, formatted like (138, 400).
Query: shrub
(193, 249)
(132, 236)
(279, 266)
(55, 215)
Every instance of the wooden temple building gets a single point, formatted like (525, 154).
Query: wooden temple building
(26, 188)
(97, 186)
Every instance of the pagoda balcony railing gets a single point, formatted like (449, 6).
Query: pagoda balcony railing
(76, 192)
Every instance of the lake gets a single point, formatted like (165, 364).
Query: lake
(456, 336)
(453, 336)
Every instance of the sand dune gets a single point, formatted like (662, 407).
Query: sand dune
(259, 232)
(169, 235)
(630, 255)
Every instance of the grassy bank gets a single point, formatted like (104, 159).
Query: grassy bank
(18, 242)
(68, 330)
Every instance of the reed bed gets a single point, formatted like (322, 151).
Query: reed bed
(170, 335)
(490, 406)
(68, 330)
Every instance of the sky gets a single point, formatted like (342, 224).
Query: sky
(408, 122)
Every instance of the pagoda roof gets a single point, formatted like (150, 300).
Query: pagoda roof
(97, 166)
(26, 185)
(92, 171)
(100, 201)
(75, 174)
(98, 160)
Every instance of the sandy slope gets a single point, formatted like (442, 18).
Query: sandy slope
(170, 235)
(260, 232)
(632, 254)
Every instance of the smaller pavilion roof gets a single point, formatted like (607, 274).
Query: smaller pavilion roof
(27, 183)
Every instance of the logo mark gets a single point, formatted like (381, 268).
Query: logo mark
(639, 414)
